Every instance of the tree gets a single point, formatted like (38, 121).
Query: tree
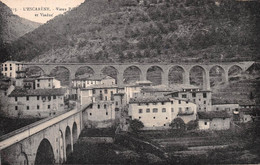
(193, 124)
(136, 125)
(178, 123)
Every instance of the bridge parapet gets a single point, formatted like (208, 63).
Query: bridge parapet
(27, 131)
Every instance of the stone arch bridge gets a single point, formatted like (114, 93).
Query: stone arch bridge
(143, 68)
(48, 141)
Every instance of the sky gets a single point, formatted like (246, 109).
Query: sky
(40, 10)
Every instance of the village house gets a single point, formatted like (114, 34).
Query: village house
(96, 93)
(201, 97)
(214, 120)
(30, 103)
(158, 112)
(81, 83)
(10, 68)
(133, 90)
(101, 114)
(38, 82)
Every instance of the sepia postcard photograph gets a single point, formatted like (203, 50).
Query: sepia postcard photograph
(129, 82)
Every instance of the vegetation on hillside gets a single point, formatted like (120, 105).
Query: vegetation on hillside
(145, 31)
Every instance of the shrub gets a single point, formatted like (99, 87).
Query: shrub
(193, 124)
(136, 125)
(178, 124)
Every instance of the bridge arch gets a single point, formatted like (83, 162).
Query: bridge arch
(61, 73)
(45, 154)
(154, 74)
(176, 75)
(34, 70)
(61, 147)
(132, 74)
(74, 132)
(110, 71)
(68, 144)
(84, 71)
(198, 76)
(234, 72)
(216, 75)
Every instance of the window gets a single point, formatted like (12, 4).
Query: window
(171, 102)
(54, 97)
(49, 106)
(38, 107)
(148, 110)
(155, 110)
(105, 91)
(139, 117)
(204, 95)
(147, 104)
(106, 113)
(154, 117)
(98, 106)
(154, 103)
(116, 109)
(187, 109)
(180, 109)
(16, 99)
(10, 74)
(38, 85)
(38, 97)
(49, 84)
(93, 91)
(205, 102)
(163, 110)
(27, 98)
(106, 98)
(179, 101)
(164, 124)
(166, 118)
(28, 107)
(49, 98)
(184, 96)
(140, 111)
(193, 94)
(205, 123)
(16, 108)
(90, 114)
(162, 103)
(172, 109)
(105, 106)
(116, 103)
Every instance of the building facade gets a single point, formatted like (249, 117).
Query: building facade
(9, 68)
(28, 103)
(214, 120)
(158, 112)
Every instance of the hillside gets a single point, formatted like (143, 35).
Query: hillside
(148, 31)
(243, 89)
(13, 26)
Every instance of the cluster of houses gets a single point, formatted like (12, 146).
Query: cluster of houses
(37, 96)
(156, 106)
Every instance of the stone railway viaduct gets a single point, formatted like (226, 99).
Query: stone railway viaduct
(48, 141)
(144, 67)
(51, 140)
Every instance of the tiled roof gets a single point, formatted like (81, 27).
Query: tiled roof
(4, 86)
(100, 86)
(119, 94)
(158, 88)
(19, 92)
(149, 99)
(213, 114)
(94, 78)
(179, 87)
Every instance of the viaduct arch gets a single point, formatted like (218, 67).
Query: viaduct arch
(48, 141)
(165, 69)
